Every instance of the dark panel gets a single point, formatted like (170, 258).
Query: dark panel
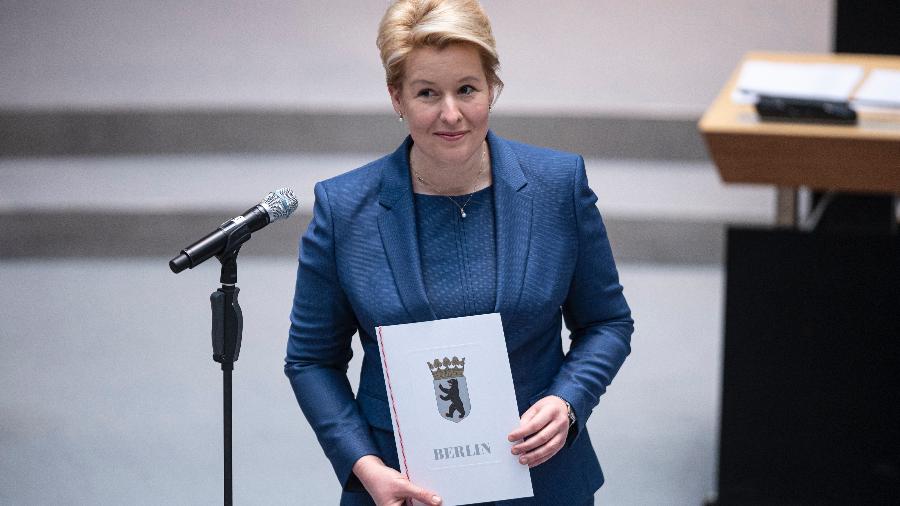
(71, 234)
(74, 234)
(859, 213)
(810, 404)
(66, 133)
(667, 242)
(61, 133)
(872, 26)
(608, 136)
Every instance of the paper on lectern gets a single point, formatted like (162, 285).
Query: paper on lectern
(880, 89)
(814, 81)
(452, 405)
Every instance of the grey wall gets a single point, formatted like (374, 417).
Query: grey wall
(586, 56)
(120, 121)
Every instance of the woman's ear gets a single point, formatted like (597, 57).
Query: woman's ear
(394, 92)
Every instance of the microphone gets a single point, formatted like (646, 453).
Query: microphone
(277, 205)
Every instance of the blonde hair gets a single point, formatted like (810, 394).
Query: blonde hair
(412, 24)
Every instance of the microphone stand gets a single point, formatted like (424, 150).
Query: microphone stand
(227, 319)
(227, 327)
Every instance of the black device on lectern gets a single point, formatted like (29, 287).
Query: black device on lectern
(771, 108)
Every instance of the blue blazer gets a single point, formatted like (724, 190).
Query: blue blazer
(359, 268)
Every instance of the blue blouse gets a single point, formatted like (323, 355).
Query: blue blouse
(458, 254)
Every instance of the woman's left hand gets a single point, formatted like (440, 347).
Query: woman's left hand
(544, 427)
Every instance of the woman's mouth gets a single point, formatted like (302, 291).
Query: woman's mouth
(450, 136)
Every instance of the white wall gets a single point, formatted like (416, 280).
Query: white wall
(646, 57)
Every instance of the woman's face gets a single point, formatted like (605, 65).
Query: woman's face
(445, 99)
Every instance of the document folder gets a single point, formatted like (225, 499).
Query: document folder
(452, 406)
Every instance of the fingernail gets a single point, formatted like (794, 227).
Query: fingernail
(523, 460)
(435, 499)
(515, 451)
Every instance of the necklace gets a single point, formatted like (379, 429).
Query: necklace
(462, 208)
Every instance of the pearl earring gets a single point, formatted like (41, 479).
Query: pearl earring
(400, 119)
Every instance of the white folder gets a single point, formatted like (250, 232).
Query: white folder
(452, 405)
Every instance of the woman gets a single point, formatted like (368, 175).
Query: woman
(457, 221)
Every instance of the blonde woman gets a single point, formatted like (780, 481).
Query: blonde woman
(457, 221)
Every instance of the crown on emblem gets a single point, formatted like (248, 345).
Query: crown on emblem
(447, 368)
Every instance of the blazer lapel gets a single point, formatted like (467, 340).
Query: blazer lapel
(397, 225)
(513, 210)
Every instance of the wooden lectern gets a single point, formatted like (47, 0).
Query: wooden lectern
(811, 358)
(863, 157)
(859, 158)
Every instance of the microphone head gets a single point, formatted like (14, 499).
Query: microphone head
(279, 204)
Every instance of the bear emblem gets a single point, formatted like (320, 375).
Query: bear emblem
(450, 390)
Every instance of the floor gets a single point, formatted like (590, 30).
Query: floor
(108, 394)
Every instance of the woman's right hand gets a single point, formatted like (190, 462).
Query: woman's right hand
(387, 486)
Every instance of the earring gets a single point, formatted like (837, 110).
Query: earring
(400, 119)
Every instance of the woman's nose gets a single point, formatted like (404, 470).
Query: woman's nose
(450, 111)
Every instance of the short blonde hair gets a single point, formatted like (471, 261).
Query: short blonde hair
(412, 24)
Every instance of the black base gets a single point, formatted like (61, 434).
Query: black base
(811, 378)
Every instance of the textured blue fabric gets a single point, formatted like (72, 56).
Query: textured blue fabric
(360, 267)
(458, 254)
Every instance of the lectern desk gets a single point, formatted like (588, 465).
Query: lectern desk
(857, 158)
(811, 362)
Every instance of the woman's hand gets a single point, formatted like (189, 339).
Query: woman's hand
(544, 427)
(387, 486)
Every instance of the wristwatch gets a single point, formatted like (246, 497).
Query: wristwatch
(570, 413)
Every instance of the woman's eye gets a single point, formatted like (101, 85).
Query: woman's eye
(426, 93)
(467, 90)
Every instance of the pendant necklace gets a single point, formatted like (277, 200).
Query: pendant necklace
(462, 208)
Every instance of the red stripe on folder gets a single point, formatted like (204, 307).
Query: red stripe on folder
(387, 374)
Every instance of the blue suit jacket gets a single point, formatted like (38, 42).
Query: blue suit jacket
(359, 267)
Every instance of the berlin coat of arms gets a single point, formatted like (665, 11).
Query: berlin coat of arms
(450, 390)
